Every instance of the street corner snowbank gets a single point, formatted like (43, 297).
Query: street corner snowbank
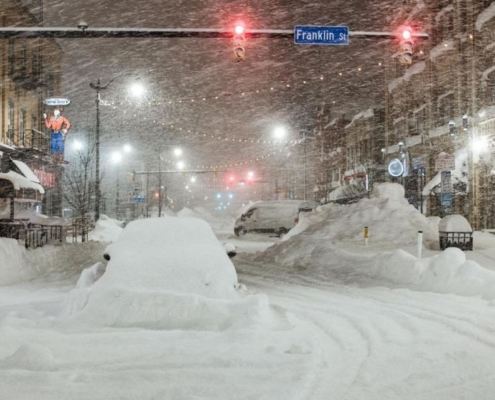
(14, 263)
(390, 219)
(67, 260)
(106, 230)
(447, 272)
(157, 279)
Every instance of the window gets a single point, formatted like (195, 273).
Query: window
(420, 121)
(22, 127)
(446, 108)
(11, 67)
(23, 60)
(10, 121)
(35, 65)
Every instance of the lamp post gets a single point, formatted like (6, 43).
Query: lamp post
(99, 87)
(180, 165)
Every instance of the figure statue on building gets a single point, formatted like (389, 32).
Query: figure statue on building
(59, 126)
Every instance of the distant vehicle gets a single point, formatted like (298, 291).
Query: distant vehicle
(278, 216)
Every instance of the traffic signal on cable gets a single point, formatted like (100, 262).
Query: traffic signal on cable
(406, 46)
(239, 39)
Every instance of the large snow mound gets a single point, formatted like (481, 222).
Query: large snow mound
(387, 214)
(106, 230)
(14, 265)
(167, 273)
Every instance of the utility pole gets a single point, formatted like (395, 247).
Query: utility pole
(97, 87)
(159, 182)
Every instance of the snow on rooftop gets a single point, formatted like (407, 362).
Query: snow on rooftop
(363, 114)
(444, 11)
(440, 49)
(485, 16)
(26, 171)
(21, 182)
(416, 68)
(486, 73)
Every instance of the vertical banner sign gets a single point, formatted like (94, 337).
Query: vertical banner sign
(446, 195)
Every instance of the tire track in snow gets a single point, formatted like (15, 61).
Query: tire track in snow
(371, 319)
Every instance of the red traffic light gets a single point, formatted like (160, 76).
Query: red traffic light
(406, 34)
(406, 45)
(239, 29)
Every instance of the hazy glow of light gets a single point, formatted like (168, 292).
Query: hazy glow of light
(78, 145)
(193, 179)
(137, 89)
(406, 34)
(239, 29)
(116, 157)
(180, 165)
(480, 144)
(177, 152)
(127, 148)
(279, 132)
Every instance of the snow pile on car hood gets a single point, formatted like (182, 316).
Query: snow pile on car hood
(167, 273)
(106, 230)
(14, 265)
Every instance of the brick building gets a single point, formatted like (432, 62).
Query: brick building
(29, 73)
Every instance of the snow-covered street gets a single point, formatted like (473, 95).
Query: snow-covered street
(317, 316)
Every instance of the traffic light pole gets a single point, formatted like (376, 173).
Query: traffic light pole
(84, 32)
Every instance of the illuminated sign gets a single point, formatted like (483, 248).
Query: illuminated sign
(395, 167)
(56, 101)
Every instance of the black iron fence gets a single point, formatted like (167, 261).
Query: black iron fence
(32, 236)
(30, 139)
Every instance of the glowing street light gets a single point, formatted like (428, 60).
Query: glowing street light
(137, 89)
(279, 132)
(127, 148)
(116, 157)
(177, 152)
(180, 165)
(78, 145)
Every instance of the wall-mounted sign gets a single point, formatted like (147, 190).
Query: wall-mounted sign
(445, 162)
(56, 101)
(395, 167)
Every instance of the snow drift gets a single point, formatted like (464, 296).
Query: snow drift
(326, 244)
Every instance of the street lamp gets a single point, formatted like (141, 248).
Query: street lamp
(116, 159)
(99, 87)
(279, 132)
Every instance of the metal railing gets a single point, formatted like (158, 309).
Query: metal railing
(33, 236)
(37, 140)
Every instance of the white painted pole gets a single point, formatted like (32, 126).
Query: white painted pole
(420, 243)
(366, 235)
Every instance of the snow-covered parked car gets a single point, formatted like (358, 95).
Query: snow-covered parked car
(171, 247)
(278, 216)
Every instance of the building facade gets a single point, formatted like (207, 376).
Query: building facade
(442, 104)
(29, 73)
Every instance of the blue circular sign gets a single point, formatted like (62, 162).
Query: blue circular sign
(395, 167)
